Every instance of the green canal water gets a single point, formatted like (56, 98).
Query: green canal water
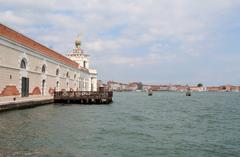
(168, 124)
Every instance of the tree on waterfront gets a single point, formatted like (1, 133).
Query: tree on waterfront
(200, 85)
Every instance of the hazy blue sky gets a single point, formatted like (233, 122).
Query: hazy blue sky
(154, 41)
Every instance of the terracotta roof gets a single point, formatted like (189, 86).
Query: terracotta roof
(21, 39)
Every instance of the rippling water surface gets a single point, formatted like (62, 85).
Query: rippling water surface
(166, 124)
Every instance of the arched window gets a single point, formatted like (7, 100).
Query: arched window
(75, 76)
(44, 69)
(67, 75)
(57, 72)
(23, 64)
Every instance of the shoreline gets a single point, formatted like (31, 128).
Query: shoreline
(25, 103)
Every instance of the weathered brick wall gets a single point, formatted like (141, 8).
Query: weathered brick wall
(34, 82)
(10, 90)
(9, 81)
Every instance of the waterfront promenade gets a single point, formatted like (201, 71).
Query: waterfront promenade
(7, 103)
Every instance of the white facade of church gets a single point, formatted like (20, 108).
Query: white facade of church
(83, 60)
(28, 68)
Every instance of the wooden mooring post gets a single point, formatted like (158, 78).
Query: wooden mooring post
(83, 97)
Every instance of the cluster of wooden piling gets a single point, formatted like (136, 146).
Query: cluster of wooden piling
(83, 97)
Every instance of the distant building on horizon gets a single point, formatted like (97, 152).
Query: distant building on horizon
(133, 86)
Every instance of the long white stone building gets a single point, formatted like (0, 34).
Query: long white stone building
(28, 68)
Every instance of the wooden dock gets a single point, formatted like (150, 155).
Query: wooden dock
(83, 97)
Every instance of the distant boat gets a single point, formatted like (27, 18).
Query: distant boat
(150, 92)
(188, 93)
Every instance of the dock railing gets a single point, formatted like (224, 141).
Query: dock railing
(84, 96)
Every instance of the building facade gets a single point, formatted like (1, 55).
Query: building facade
(28, 68)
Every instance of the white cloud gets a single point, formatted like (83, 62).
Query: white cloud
(12, 17)
(114, 31)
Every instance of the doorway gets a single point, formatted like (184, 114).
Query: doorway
(25, 87)
(43, 86)
(57, 86)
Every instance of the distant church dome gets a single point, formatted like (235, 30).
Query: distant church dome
(78, 42)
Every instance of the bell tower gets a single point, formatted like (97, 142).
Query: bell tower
(78, 55)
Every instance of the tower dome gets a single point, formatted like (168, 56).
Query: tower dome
(78, 42)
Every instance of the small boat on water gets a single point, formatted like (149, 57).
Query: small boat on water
(188, 93)
(150, 92)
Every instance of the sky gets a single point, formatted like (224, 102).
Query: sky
(153, 41)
